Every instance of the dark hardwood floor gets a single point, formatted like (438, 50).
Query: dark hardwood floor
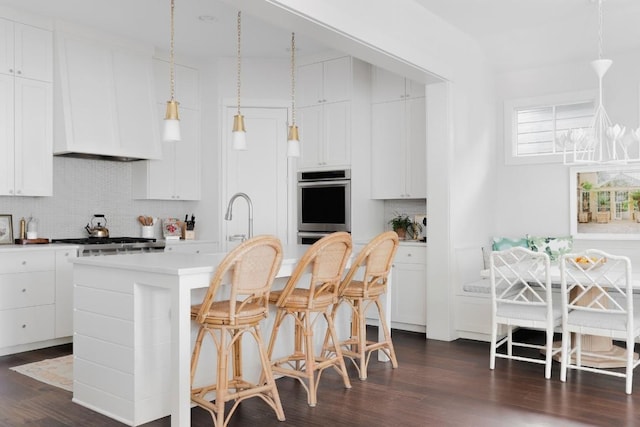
(437, 384)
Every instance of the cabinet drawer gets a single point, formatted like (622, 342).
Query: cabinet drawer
(411, 255)
(27, 289)
(21, 262)
(26, 325)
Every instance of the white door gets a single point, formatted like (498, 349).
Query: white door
(261, 172)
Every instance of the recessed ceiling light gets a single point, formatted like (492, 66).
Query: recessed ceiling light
(208, 18)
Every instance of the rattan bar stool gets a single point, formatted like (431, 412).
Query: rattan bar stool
(323, 265)
(376, 258)
(250, 268)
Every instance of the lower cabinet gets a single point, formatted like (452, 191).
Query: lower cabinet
(409, 289)
(36, 299)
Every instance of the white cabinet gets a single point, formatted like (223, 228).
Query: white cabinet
(408, 289)
(36, 298)
(323, 82)
(325, 135)
(64, 292)
(26, 112)
(177, 175)
(27, 297)
(324, 117)
(387, 86)
(398, 150)
(106, 97)
(26, 51)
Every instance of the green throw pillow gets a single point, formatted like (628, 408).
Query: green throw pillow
(552, 246)
(504, 243)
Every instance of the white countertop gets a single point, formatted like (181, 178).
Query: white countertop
(36, 247)
(178, 263)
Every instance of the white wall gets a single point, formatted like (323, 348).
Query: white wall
(418, 44)
(535, 198)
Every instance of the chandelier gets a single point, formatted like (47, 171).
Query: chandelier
(602, 142)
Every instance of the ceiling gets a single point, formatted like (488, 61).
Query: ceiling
(513, 33)
(525, 33)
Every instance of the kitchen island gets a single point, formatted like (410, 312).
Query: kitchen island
(133, 334)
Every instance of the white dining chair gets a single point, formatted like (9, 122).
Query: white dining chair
(521, 298)
(597, 299)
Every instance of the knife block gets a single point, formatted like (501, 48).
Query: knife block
(187, 234)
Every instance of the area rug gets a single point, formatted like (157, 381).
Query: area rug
(57, 372)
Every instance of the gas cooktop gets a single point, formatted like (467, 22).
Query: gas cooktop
(103, 240)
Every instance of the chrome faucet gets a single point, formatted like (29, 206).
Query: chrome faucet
(229, 213)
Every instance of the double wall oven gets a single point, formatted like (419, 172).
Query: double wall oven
(324, 204)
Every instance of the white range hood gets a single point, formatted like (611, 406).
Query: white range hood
(104, 97)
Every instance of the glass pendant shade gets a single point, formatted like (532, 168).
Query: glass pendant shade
(239, 134)
(171, 131)
(293, 142)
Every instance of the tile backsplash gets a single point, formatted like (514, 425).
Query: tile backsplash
(404, 207)
(82, 188)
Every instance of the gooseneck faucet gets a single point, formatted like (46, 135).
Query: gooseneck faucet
(229, 213)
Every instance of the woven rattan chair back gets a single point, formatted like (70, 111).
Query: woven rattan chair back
(250, 269)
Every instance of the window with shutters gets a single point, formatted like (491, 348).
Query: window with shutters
(534, 126)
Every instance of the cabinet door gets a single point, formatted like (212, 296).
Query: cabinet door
(154, 179)
(310, 124)
(336, 80)
(6, 135)
(388, 172)
(187, 157)
(414, 89)
(309, 84)
(186, 84)
(136, 122)
(64, 292)
(6, 47)
(33, 138)
(336, 138)
(33, 53)
(416, 187)
(386, 86)
(409, 304)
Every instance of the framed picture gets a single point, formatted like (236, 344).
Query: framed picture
(6, 230)
(605, 202)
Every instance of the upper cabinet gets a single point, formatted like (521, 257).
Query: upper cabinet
(106, 97)
(26, 110)
(177, 175)
(387, 86)
(322, 82)
(323, 93)
(398, 147)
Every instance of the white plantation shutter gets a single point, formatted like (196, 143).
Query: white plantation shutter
(538, 128)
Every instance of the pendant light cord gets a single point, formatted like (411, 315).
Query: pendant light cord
(171, 57)
(293, 78)
(600, 31)
(239, 59)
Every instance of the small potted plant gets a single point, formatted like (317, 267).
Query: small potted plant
(402, 225)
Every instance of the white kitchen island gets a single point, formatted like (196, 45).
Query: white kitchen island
(133, 333)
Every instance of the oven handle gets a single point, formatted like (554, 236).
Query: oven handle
(323, 183)
(312, 234)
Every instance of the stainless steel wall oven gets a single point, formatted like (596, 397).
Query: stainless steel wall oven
(324, 203)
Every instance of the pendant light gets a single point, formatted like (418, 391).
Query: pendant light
(293, 140)
(239, 134)
(171, 119)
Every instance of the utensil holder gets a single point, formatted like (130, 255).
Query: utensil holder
(147, 231)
